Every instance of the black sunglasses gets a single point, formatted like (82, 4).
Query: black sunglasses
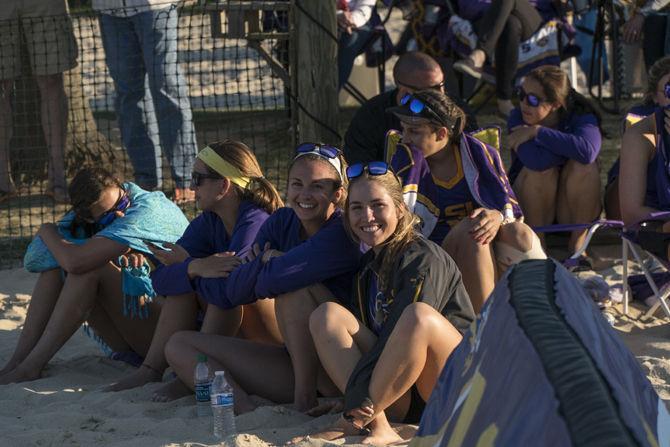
(198, 177)
(437, 86)
(420, 108)
(531, 99)
(373, 168)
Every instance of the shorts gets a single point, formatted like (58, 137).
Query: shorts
(416, 407)
(44, 29)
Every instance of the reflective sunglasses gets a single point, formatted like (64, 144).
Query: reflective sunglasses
(666, 90)
(373, 168)
(531, 99)
(108, 216)
(418, 107)
(326, 150)
(437, 86)
(198, 177)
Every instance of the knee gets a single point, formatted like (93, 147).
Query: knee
(518, 235)
(418, 318)
(576, 171)
(325, 318)
(460, 239)
(175, 345)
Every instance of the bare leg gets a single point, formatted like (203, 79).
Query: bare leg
(255, 368)
(521, 237)
(537, 192)
(178, 314)
(578, 198)
(6, 127)
(612, 207)
(42, 303)
(293, 311)
(54, 114)
(475, 261)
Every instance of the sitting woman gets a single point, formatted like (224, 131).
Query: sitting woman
(408, 313)
(355, 26)
(79, 280)
(236, 199)
(555, 140)
(656, 96)
(458, 186)
(302, 257)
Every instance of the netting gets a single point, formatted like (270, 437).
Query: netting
(138, 92)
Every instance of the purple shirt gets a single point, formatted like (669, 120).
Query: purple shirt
(329, 257)
(576, 138)
(205, 236)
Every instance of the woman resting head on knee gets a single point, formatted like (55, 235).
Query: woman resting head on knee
(644, 180)
(408, 312)
(457, 185)
(655, 97)
(79, 279)
(302, 257)
(555, 140)
(235, 199)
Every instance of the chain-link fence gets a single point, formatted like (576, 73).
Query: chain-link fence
(137, 91)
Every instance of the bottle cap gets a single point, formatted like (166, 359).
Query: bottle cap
(219, 373)
(202, 358)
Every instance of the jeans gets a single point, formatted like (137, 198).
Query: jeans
(656, 42)
(152, 102)
(350, 46)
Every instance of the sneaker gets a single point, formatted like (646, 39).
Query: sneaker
(468, 67)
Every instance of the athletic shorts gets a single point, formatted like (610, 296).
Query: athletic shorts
(44, 29)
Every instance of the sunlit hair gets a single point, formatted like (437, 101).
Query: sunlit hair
(558, 90)
(338, 182)
(260, 191)
(660, 68)
(404, 233)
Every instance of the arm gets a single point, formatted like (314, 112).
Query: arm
(637, 148)
(78, 259)
(581, 145)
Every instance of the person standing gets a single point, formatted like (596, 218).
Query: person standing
(46, 28)
(140, 42)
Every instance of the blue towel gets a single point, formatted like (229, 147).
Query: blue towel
(150, 217)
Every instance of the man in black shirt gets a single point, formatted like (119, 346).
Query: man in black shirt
(366, 135)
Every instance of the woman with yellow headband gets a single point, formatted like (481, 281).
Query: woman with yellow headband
(235, 199)
(302, 257)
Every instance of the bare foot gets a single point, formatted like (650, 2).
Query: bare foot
(340, 429)
(142, 376)
(171, 391)
(304, 403)
(477, 57)
(19, 374)
(383, 435)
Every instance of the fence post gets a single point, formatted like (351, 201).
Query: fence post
(316, 70)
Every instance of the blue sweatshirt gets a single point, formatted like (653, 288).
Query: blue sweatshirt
(576, 138)
(205, 236)
(328, 257)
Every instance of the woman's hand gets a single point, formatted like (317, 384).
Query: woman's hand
(521, 134)
(632, 29)
(218, 265)
(485, 225)
(270, 253)
(173, 255)
(132, 259)
(344, 22)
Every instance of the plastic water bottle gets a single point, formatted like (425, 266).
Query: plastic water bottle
(222, 407)
(203, 382)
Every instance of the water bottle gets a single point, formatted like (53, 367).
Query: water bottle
(222, 407)
(203, 381)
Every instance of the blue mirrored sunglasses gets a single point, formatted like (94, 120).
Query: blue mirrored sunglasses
(109, 215)
(373, 168)
(531, 99)
(324, 149)
(418, 107)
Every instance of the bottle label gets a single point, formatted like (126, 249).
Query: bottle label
(202, 391)
(222, 400)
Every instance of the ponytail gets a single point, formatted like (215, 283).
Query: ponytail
(263, 194)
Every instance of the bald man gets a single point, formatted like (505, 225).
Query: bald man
(365, 137)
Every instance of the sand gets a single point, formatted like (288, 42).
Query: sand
(68, 407)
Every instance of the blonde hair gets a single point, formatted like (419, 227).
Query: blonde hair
(260, 191)
(404, 233)
(339, 179)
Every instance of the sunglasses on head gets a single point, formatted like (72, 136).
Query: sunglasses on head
(322, 149)
(373, 168)
(198, 177)
(420, 108)
(531, 99)
(108, 216)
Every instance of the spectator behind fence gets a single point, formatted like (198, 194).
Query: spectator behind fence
(46, 29)
(140, 41)
(500, 25)
(555, 140)
(355, 28)
(366, 135)
(651, 23)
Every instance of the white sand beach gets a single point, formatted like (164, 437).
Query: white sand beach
(67, 406)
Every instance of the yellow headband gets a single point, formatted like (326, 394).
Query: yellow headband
(223, 168)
